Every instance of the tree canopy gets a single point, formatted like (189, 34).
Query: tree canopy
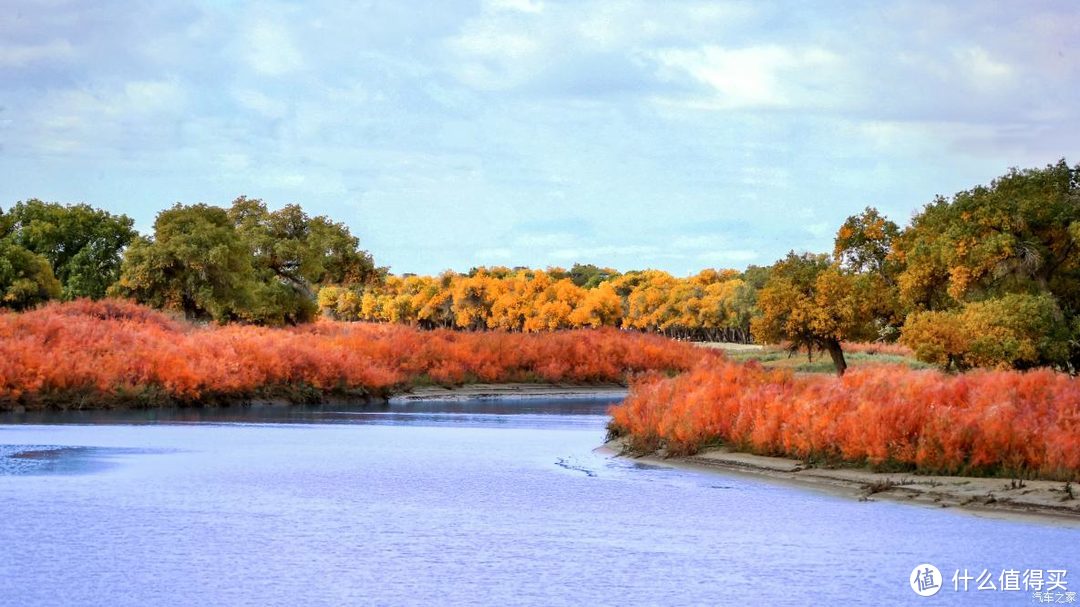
(1016, 235)
(710, 305)
(291, 254)
(243, 263)
(1014, 331)
(82, 245)
(864, 241)
(26, 278)
(976, 254)
(987, 277)
(810, 302)
(195, 263)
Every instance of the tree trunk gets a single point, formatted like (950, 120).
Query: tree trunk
(837, 354)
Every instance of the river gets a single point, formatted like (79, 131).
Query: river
(449, 503)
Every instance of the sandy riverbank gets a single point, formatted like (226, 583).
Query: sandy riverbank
(511, 392)
(1042, 500)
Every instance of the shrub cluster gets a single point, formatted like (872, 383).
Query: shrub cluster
(116, 353)
(1010, 423)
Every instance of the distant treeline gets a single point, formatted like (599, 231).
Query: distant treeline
(240, 264)
(711, 305)
(988, 277)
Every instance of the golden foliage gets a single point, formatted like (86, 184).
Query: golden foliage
(713, 304)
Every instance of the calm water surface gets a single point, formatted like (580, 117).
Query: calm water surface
(474, 503)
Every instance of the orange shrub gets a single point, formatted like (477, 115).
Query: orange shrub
(113, 353)
(985, 422)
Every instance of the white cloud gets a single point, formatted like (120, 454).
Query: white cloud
(755, 76)
(152, 96)
(269, 49)
(261, 103)
(610, 251)
(712, 249)
(757, 176)
(521, 6)
(570, 46)
(234, 162)
(129, 114)
(981, 69)
(494, 43)
(697, 242)
(23, 56)
(557, 239)
(537, 116)
(494, 57)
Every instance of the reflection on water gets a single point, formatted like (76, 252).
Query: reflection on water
(458, 412)
(59, 459)
(447, 503)
(42, 459)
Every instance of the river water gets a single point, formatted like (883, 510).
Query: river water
(466, 503)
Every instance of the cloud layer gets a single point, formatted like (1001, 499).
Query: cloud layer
(675, 135)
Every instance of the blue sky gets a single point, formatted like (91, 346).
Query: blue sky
(675, 135)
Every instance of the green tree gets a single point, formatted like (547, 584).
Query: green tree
(196, 263)
(1019, 235)
(864, 241)
(756, 276)
(864, 245)
(589, 276)
(26, 279)
(293, 255)
(83, 245)
(1016, 330)
(1013, 236)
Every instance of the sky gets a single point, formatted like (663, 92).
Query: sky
(668, 134)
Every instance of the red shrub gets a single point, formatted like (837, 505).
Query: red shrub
(109, 353)
(987, 422)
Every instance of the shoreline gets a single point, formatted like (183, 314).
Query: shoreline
(472, 391)
(1032, 500)
(509, 391)
(1037, 500)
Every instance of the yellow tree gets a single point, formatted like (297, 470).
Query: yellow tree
(370, 309)
(720, 315)
(600, 307)
(512, 306)
(811, 303)
(327, 300)
(678, 316)
(553, 308)
(647, 298)
(473, 298)
(1014, 331)
(399, 309)
(432, 299)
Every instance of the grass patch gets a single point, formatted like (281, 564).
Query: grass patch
(779, 358)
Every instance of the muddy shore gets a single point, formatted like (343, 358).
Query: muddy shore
(510, 392)
(994, 497)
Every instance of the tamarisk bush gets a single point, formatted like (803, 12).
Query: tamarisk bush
(117, 353)
(1010, 423)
